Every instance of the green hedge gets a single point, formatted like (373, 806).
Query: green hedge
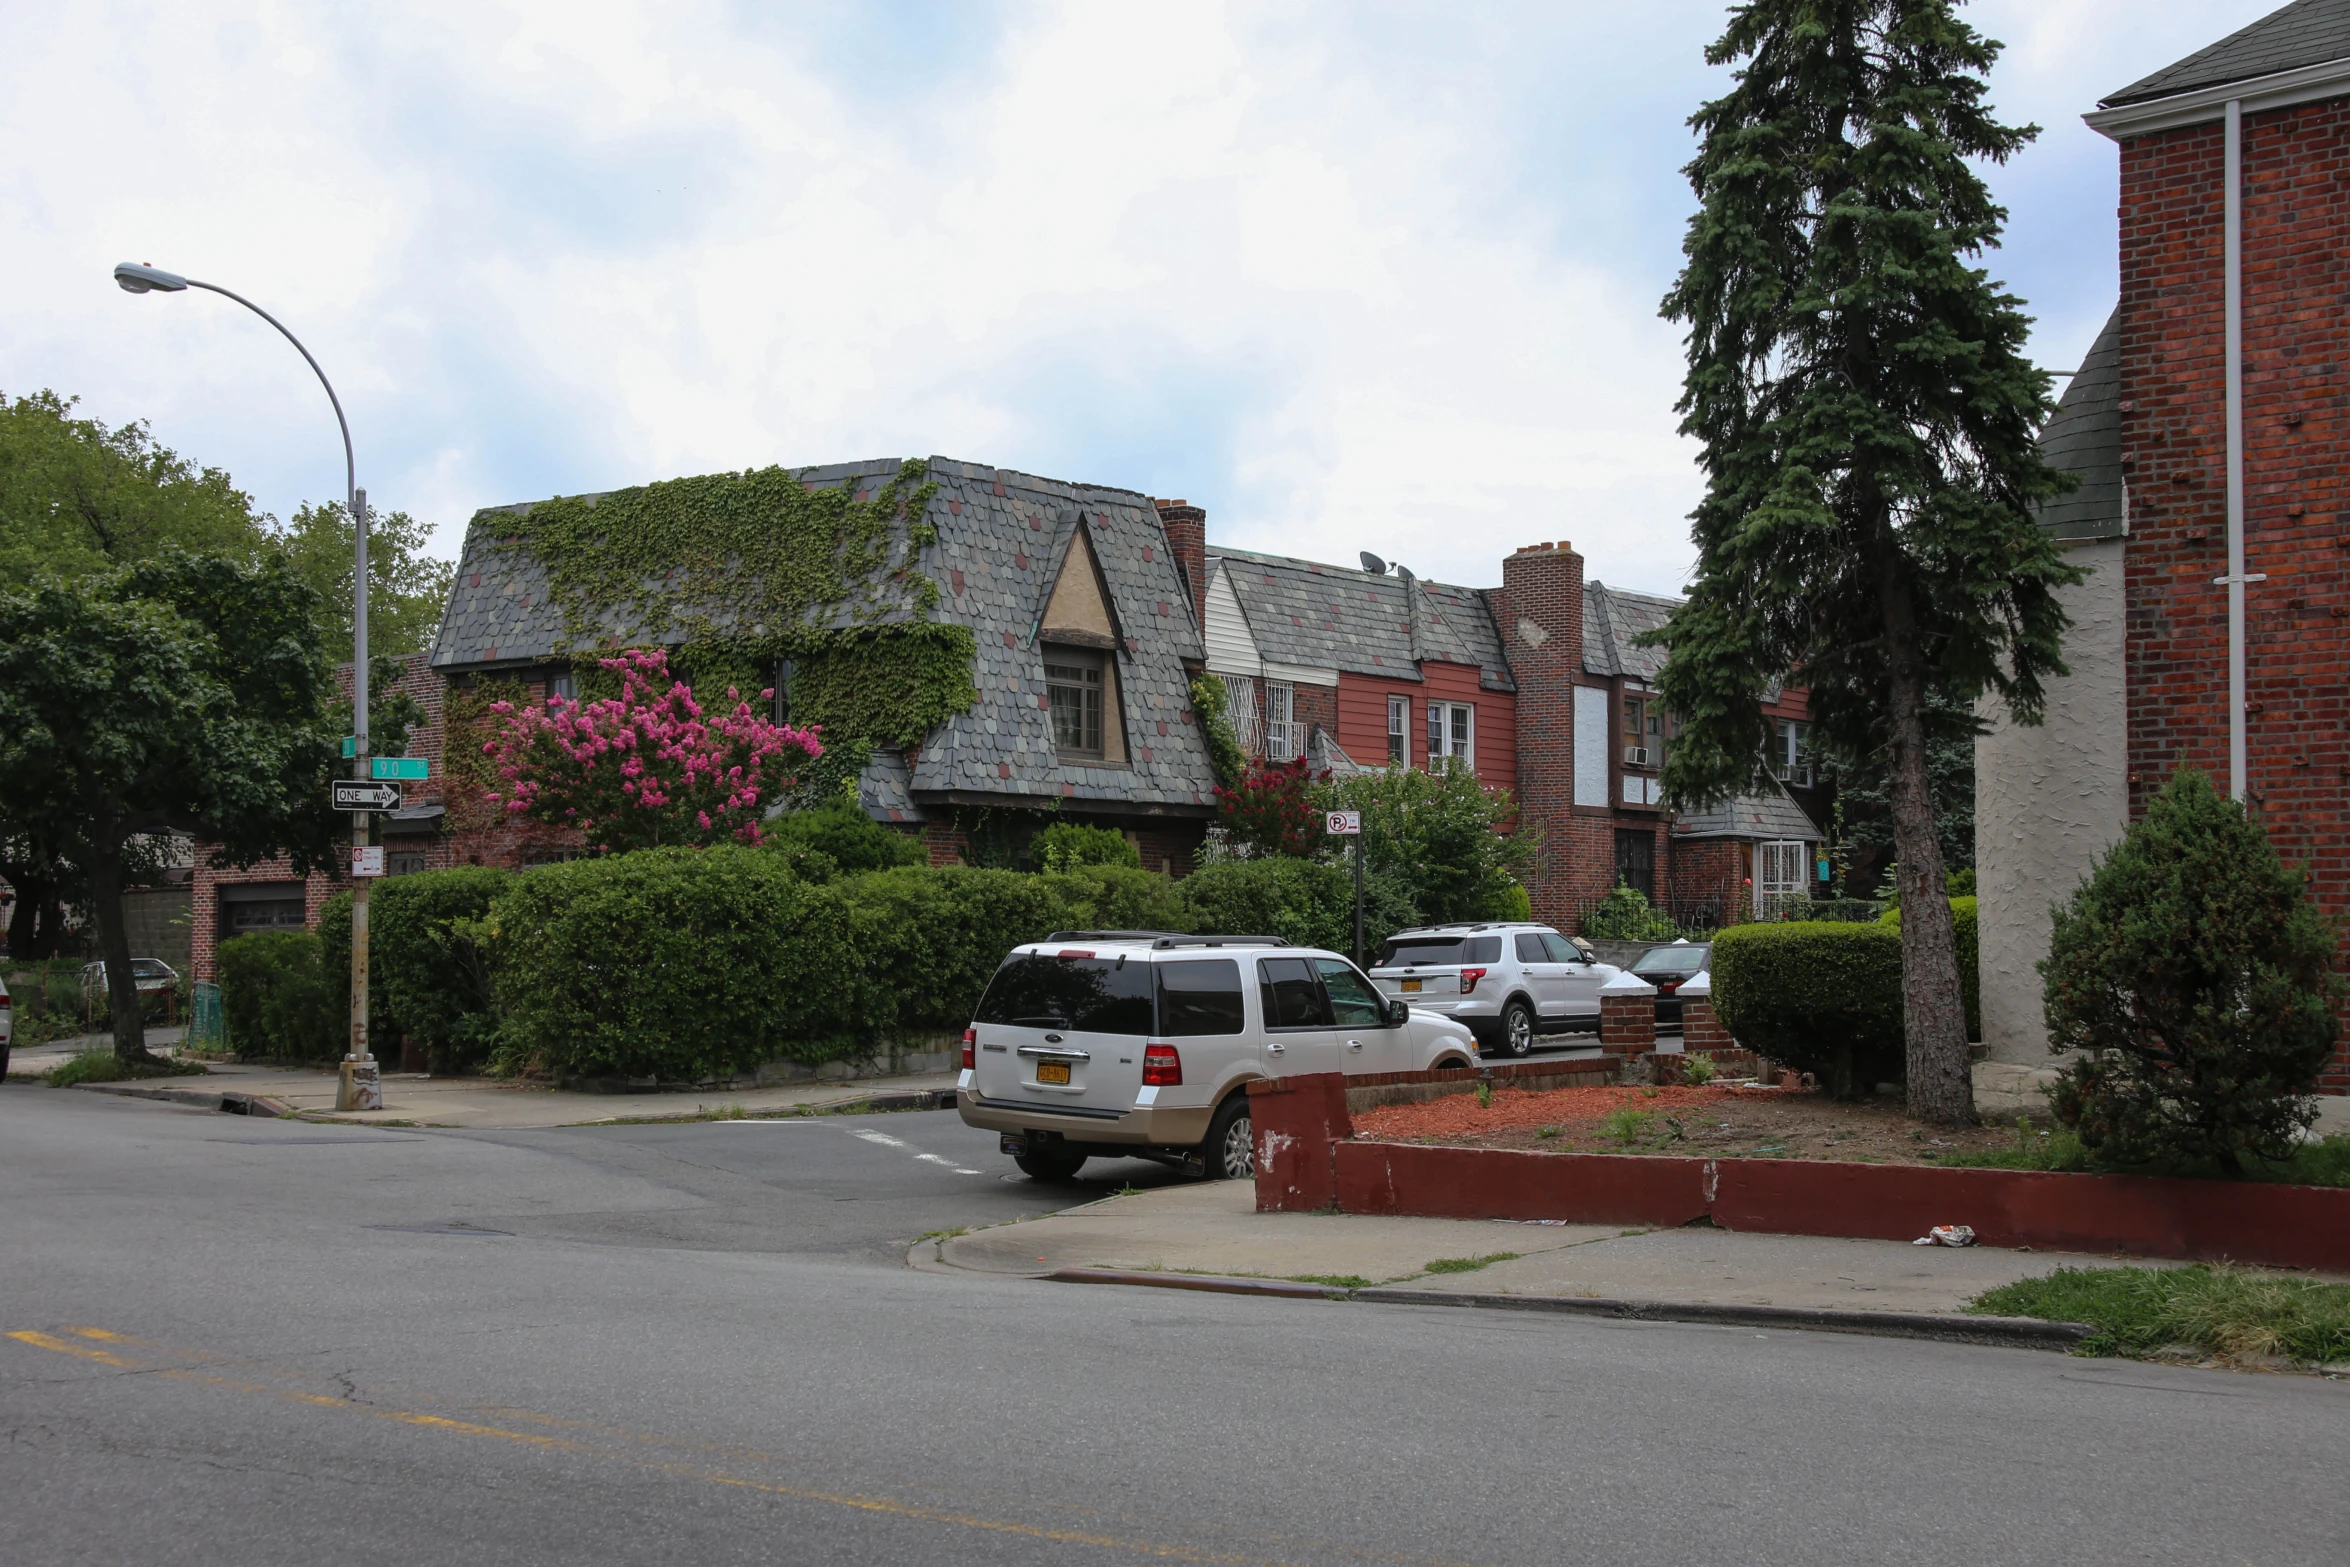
(427, 965)
(276, 1001)
(1303, 901)
(1819, 995)
(1963, 916)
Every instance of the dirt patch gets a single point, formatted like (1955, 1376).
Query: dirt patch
(1713, 1123)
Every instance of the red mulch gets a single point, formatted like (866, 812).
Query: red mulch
(1458, 1113)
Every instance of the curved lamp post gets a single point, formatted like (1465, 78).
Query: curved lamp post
(361, 1086)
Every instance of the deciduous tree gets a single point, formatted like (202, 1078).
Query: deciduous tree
(1868, 418)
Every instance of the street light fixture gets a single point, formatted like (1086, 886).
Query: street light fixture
(361, 1087)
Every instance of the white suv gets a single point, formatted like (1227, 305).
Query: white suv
(1141, 1044)
(1506, 981)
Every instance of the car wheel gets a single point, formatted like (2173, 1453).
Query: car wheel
(1050, 1166)
(1231, 1149)
(1517, 1028)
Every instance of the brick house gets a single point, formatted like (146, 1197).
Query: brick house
(1539, 687)
(2199, 464)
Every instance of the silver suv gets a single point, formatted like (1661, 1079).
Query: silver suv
(1142, 1044)
(1506, 981)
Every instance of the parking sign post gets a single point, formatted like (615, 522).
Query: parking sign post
(1349, 824)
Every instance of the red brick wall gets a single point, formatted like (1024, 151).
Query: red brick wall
(1542, 585)
(2174, 412)
(1187, 539)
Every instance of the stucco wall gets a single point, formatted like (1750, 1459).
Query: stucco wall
(2048, 801)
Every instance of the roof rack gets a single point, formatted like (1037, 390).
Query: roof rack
(1107, 935)
(1165, 942)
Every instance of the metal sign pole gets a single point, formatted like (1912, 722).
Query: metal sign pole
(1358, 900)
(361, 1087)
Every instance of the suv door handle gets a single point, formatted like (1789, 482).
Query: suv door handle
(1276, 1047)
(1354, 1044)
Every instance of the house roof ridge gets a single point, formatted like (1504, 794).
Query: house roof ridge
(2302, 34)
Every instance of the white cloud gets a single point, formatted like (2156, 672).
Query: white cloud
(1350, 279)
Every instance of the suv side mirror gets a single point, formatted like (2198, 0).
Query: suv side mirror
(1397, 1012)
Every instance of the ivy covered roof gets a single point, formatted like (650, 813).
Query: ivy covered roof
(982, 553)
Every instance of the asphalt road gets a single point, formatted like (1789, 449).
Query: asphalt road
(264, 1343)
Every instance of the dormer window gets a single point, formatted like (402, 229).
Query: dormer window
(1073, 689)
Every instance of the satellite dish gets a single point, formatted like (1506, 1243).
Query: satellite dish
(1373, 564)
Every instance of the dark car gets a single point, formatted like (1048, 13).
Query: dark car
(1668, 969)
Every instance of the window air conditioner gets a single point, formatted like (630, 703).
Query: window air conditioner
(1636, 756)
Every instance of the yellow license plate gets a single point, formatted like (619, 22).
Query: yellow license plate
(1411, 984)
(1052, 1071)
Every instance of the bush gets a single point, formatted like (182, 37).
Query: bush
(1963, 917)
(1274, 809)
(2196, 975)
(276, 1001)
(427, 964)
(99, 1064)
(1303, 901)
(846, 837)
(1064, 846)
(334, 967)
(1819, 996)
(1625, 915)
(1433, 833)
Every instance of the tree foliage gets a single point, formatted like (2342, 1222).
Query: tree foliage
(2198, 978)
(406, 588)
(1438, 833)
(1274, 808)
(188, 693)
(1868, 418)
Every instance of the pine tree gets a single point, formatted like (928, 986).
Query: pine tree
(1868, 418)
(2195, 968)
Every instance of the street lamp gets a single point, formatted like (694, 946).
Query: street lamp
(361, 1087)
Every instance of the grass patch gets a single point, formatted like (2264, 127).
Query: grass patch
(1471, 1264)
(2325, 1162)
(1337, 1281)
(1627, 1126)
(943, 1235)
(99, 1064)
(2231, 1313)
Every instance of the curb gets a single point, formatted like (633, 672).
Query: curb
(202, 1099)
(2003, 1332)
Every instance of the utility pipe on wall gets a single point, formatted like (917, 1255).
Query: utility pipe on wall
(2233, 266)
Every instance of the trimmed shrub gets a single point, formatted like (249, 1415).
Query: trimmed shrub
(1625, 914)
(679, 965)
(275, 1000)
(1064, 846)
(1303, 901)
(2197, 977)
(1963, 916)
(845, 836)
(427, 965)
(1819, 996)
(334, 967)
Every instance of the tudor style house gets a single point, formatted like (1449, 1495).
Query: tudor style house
(2210, 432)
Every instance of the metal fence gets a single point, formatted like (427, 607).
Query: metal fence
(206, 1029)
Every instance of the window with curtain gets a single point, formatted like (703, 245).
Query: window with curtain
(1452, 734)
(1073, 691)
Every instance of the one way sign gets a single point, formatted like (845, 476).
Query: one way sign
(351, 794)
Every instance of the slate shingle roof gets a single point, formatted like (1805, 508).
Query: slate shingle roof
(1330, 617)
(1774, 815)
(2084, 436)
(2307, 32)
(1611, 619)
(994, 560)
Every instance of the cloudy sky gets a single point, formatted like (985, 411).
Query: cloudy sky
(1351, 275)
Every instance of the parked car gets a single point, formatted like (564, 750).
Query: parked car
(1506, 981)
(1668, 969)
(151, 976)
(1142, 1044)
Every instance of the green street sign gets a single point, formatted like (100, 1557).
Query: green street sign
(400, 767)
(350, 745)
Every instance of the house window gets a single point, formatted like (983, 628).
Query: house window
(1779, 881)
(1636, 862)
(1240, 706)
(1073, 689)
(783, 690)
(403, 862)
(1452, 734)
(1399, 726)
(1791, 753)
(564, 686)
(1644, 732)
(1281, 739)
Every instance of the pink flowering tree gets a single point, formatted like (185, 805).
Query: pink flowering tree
(649, 767)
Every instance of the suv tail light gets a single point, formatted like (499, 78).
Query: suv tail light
(1469, 978)
(970, 1048)
(1161, 1067)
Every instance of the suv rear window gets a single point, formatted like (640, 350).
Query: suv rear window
(1085, 995)
(1411, 951)
(1672, 960)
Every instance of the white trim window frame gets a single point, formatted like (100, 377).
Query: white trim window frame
(1791, 752)
(1452, 734)
(1399, 731)
(1780, 876)
(1281, 740)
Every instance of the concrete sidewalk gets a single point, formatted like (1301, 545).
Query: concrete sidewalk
(488, 1104)
(1213, 1228)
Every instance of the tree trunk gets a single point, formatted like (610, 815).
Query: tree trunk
(114, 945)
(1941, 1084)
(34, 920)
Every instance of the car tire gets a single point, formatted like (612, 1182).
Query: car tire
(1231, 1150)
(1517, 1030)
(1050, 1166)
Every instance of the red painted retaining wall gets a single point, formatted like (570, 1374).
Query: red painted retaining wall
(1307, 1159)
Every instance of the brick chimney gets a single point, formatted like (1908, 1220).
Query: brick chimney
(1187, 541)
(1539, 612)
